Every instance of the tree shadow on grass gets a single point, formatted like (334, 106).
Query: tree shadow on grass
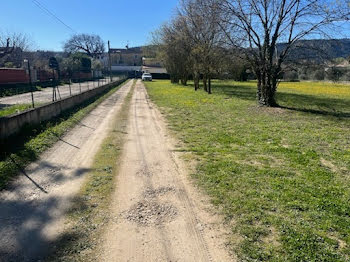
(238, 91)
(24, 222)
(29, 243)
(326, 106)
(335, 107)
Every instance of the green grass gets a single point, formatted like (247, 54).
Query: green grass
(6, 111)
(21, 149)
(89, 213)
(281, 175)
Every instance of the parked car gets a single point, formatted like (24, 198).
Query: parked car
(146, 77)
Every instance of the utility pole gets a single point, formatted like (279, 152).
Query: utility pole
(109, 61)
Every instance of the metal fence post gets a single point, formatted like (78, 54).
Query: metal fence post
(53, 86)
(30, 81)
(79, 82)
(70, 89)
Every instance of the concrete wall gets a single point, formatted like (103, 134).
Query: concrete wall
(10, 125)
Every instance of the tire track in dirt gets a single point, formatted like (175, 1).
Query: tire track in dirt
(172, 211)
(157, 216)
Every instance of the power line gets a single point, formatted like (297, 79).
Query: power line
(42, 7)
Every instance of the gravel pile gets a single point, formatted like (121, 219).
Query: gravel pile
(144, 172)
(152, 193)
(151, 213)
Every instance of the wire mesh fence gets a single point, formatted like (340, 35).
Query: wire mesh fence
(27, 86)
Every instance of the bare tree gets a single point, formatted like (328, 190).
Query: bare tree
(10, 41)
(92, 45)
(262, 24)
(201, 23)
(174, 49)
(190, 44)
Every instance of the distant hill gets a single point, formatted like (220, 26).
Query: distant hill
(318, 50)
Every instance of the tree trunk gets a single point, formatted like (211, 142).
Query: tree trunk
(184, 80)
(258, 93)
(205, 83)
(174, 79)
(196, 81)
(209, 85)
(267, 85)
(266, 94)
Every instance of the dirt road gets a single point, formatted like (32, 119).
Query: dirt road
(32, 210)
(45, 95)
(157, 214)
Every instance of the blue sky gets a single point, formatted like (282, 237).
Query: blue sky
(119, 21)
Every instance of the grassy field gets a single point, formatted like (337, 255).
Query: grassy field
(281, 175)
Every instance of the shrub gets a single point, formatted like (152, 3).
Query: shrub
(319, 74)
(334, 74)
(290, 75)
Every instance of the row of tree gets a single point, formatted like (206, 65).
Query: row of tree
(90, 44)
(204, 34)
(81, 53)
(10, 41)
